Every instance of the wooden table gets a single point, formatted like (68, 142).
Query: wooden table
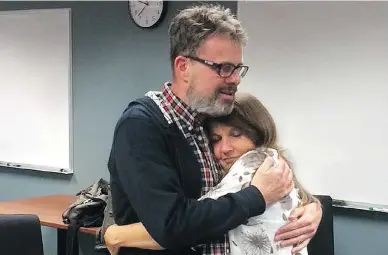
(49, 209)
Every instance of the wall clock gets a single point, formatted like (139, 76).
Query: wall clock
(147, 14)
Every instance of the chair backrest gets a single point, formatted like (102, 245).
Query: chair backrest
(20, 235)
(323, 241)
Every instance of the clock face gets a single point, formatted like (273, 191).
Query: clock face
(147, 13)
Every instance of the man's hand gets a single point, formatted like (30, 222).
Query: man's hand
(303, 225)
(273, 183)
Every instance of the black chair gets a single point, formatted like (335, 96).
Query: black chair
(323, 241)
(20, 235)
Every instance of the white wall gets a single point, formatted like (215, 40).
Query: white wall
(322, 70)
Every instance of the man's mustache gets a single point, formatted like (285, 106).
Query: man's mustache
(230, 89)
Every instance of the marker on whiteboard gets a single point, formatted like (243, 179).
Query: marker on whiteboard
(2, 163)
(375, 209)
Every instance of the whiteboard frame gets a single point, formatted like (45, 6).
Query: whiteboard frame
(360, 206)
(42, 168)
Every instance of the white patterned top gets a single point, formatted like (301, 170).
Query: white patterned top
(256, 236)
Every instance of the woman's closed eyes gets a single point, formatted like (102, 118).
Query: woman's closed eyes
(233, 132)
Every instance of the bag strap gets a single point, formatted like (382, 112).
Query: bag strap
(72, 244)
(108, 220)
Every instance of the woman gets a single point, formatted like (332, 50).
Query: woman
(241, 141)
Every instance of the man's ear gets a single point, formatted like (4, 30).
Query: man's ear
(181, 65)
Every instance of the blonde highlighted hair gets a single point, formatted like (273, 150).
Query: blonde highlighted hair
(253, 119)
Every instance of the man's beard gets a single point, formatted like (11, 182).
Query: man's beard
(211, 105)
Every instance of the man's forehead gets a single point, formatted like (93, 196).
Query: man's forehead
(221, 49)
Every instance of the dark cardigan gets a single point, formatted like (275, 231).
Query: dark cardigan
(156, 180)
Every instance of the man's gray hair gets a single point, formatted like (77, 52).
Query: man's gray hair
(192, 26)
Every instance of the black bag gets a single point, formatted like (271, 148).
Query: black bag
(86, 211)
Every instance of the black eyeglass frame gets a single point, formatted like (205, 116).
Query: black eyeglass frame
(218, 66)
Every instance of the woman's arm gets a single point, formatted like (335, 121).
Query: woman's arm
(133, 235)
(304, 220)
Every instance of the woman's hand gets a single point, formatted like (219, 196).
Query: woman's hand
(111, 241)
(303, 225)
(133, 235)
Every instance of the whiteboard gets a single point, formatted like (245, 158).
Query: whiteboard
(321, 68)
(35, 90)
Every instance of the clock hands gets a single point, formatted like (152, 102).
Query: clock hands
(145, 4)
(141, 10)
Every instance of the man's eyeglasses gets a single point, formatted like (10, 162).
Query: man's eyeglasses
(224, 70)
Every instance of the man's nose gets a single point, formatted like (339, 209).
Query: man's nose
(234, 78)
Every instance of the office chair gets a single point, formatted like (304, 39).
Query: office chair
(20, 235)
(323, 241)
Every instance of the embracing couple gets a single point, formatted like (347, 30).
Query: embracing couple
(196, 168)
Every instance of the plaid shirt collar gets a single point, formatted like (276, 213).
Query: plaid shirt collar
(188, 117)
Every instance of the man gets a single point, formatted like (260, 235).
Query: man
(160, 166)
